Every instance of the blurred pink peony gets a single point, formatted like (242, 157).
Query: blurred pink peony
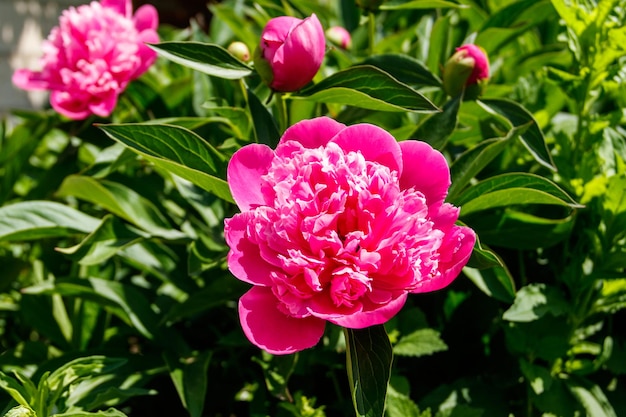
(468, 66)
(291, 52)
(339, 36)
(92, 55)
(338, 224)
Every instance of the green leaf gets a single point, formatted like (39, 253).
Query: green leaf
(204, 57)
(14, 389)
(20, 411)
(126, 302)
(404, 68)
(177, 150)
(421, 4)
(538, 377)
(190, 379)
(368, 87)
(400, 405)
(111, 412)
(534, 301)
(369, 357)
(472, 161)
(264, 124)
(530, 231)
(518, 116)
(121, 201)
(31, 220)
(591, 397)
(496, 282)
(514, 182)
(421, 342)
(110, 237)
(437, 128)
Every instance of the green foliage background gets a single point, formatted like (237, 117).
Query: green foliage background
(115, 298)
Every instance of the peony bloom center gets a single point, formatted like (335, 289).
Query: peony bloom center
(345, 236)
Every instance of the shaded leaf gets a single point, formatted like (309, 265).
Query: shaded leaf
(404, 68)
(438, 127)
(369, 357)
(534, 301)
(264, 124)
(190, 379)
(110, 237)
(518, 116)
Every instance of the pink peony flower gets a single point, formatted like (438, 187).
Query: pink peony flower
(291, 52)
(338, 224)
(92, 55)
(339, 36)
(468, 66)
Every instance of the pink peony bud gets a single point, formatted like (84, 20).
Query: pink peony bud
(339, 36)
(290, 52)
(467, 67)
(92, 55)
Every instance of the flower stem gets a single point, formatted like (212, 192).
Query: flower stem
(281, 112)
(372, 31)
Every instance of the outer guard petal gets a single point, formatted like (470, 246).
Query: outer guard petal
(245, 169)
(426, 170)
(270, 329)
(244, 257)
(375, 143)
(313, 133)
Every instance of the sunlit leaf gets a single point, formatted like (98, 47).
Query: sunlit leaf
(368, 87)
(204, 57)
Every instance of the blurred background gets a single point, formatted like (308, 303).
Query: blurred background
(24, 24)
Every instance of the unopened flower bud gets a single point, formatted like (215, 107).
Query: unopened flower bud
(339, 36)
(290, 53)
(240, 51)
(468, 66)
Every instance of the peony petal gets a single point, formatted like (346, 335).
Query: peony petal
(69, 105)
(270, 329)
(105, 106)
(368, 318)
(244, 172)
(301, 56)
(123, 7)
(426, 170)
(455, 251)
(30, 80)
(244, 258)
(146, 17)
(376, 144)
(313, 133)
(277, 29)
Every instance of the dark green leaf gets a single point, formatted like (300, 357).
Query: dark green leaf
(496, 282)
(204, 57)
(404, 68)
(12, 387)
(368, 87)
(421, 4)
(121, 201)
(474, 160)
(111, 412)
(264, 124)
(110, 237)
(518, 116)
(591, 397)
(177, 150)
(30, 220)
(438, 127)
(190, 379)
(369, 357)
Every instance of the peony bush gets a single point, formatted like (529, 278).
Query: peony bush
(423, 216)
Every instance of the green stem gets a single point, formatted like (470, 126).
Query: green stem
(372, 32)
(281, 112)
